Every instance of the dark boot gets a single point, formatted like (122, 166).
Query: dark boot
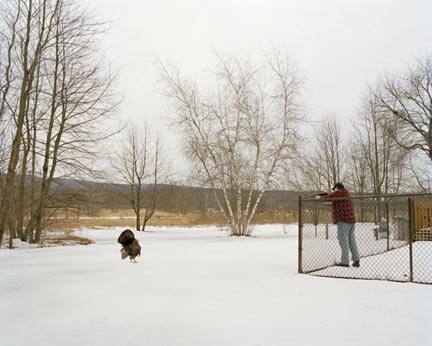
(341, 265)
(356, 264)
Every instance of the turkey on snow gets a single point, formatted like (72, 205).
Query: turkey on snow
(131, 247)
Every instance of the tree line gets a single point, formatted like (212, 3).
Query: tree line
(240, 128)
(241, 134)
(56, 94)
(387, 147)
(86, 198)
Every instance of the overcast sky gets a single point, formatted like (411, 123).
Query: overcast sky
(340, 45)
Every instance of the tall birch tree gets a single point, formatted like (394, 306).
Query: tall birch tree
(239, 130)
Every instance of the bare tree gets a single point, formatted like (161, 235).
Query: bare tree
(357, 168)
(81, 98)
(375, 134)
(358, 172)
(239, 134)
(330, 150)
(303, 171)
(420, 168)
(408, 100)
(60, 95)
(376, 147)
(141, 165)
(327, 153)
(30, 33)
(321, 161)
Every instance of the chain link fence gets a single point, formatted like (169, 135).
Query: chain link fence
(393, 235)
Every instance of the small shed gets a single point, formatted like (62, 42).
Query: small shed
(423, 221)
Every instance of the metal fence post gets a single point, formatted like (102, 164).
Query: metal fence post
(300, 235)
(388, 228)
(410, 237)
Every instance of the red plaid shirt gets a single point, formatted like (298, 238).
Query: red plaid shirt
(343, 210)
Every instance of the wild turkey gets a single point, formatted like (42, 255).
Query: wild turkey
(131, 247)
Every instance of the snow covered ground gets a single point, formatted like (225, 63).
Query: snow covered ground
(198, 287)
(319, 252)
(321, 249)
(391, 265)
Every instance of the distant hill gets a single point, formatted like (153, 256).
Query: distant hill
(174, 198)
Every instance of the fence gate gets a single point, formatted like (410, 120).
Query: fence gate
(393, 235)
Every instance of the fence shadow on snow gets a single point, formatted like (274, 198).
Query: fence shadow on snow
(393, 234)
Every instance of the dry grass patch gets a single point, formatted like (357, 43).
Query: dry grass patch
(125, 218)
(63, 238)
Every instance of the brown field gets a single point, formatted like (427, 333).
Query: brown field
(59, 229)
(51, 238)
(113, 218)
(63, 238)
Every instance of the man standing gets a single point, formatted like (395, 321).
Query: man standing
(344, 218)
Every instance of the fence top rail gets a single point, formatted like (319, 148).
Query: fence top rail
(357, 197)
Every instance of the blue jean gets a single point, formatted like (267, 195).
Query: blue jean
(347, 242)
